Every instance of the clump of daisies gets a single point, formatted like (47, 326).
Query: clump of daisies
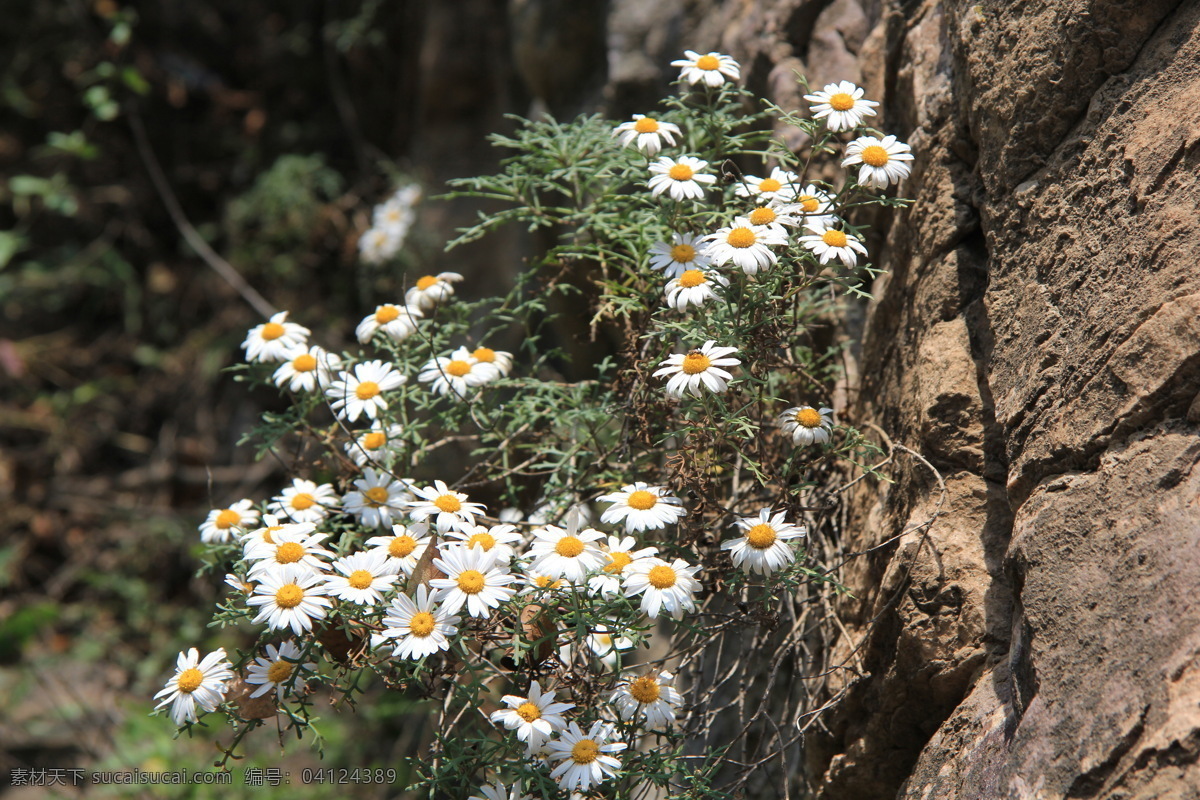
(548, 550)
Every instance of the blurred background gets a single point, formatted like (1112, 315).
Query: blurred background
(269, 130)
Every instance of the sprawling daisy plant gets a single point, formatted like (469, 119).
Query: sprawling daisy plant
(592, 522)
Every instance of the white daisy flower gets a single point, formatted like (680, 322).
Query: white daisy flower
(533, 583)
(675, 259)
(696, 368)
(621, 553)
(196, 683)
(745, 244)
(291, 596)
(807, 424)
(829, 243)
(473, 578)
(418, 625)
(607, 647)
(361, 392)
(431, 290)
(497, 791)
(306, 369)
(651, 697)
(643, 507)
(379, 244)
(499, 359)
(397, 213)
(403, 548)
(812, 204)
(379, 499)
(763, 545)
(295, 545)
(680, 178)
(304, 501)
(775, 215)
(841, 106)
(694, 287)
(378, 446)
(451, 508)
(238, 583)
(535, 718)
(569, 554)
(272, 526)
(663, 585)
(884, 161)
(711, 69)
(585, 759)
(779, 186)
(363, 578)
(498, 539)
(221, 523)
(647, 134)
(279, 669)
(396, 322)
(459, 375)
(273, 340)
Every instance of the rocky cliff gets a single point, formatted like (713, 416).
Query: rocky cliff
(1035, 347)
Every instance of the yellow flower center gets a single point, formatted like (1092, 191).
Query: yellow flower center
(484, 540)
(366, 390)
(809, 417)
(683, 253)
(617, 562)
(809, 203)
(289, 596)
(189, 680)
(761, 536)
(741, 237)
(458, 368)
(402, 546)
(266, 537)
(421, 624)
(374, 440)
(448, 503)
(304, 363)
(769, 185)
(661, 577)
(569, 546)
(272, 331)
(875, 156)
(681, 172)
(529, 712)
(470, 581)
(834, 238)
(586, 751)
(646, 125)
(280, 671)
(641, 499)
(426, 282)
(695, 363)
(303, 501)
(228, 519)
(546, 582)
(376, 496)
(360, 579)
(691, 278)
(644, 689)
(385, 314)
(484, 355)
(762, 216)
(841, 102)
(289, 553)
(707, 62)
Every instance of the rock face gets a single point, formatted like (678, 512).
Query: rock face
(1037, 342)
